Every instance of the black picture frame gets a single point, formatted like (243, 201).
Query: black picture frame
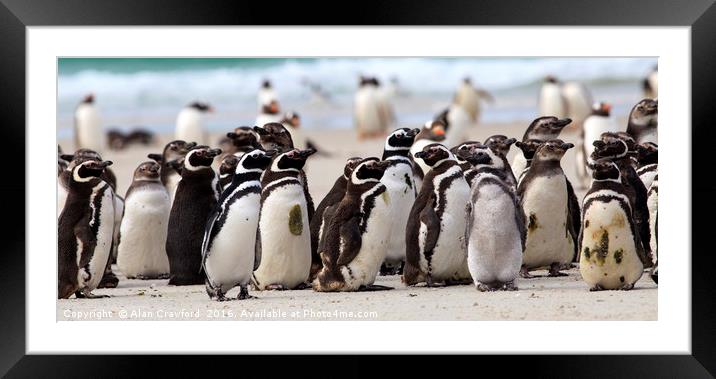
(16, 15)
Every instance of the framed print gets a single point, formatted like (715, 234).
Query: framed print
(442, 179)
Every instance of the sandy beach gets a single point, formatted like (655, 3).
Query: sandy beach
(541, 298)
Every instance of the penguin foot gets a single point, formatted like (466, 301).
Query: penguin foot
(485, 288)
(554, 270)
(244, 294)
(88, 295)
(109, 280)
(303, 286)
(525, 273)
(374, 287)
(597, 287)
(385, 270)
(276, 287)
(509, 286)
(627, 287)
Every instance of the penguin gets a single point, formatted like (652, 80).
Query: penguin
(463, 150)
(85, 231)
(648, 162)
(652, 203)
(543, 129)
(598, 122)
(227, 170)
(545, 195)
(435, 234)
(432, 132)
(529, 148)
(196, 196)
(88, 126)
(470, 98)
(171, 160)
(644, 121)
(141, 252)
(400, 194)
(650, 84)
(551, 101)
(274, 136)
(608, 243)
(242, 140)
(372, 113)
(324, 212)
(228, 247)
(292, 122)
(578, 102)
(269, 112)
(266, 94)
(190, 123)
(500, 145)
(458, 123)
(495, 238)
(283, 241)
(621, 148)
(358, 234)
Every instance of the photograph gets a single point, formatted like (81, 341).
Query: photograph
(366, 188)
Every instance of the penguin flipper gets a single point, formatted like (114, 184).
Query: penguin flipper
(468, 223)
(432, 222)
(520, 219)
(327, 217)
(351, 241)
(209, 233)
(257, 250)
(574, 222)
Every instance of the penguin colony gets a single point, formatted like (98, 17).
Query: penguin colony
(434, 208)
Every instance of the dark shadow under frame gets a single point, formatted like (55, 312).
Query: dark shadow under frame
(15, 15)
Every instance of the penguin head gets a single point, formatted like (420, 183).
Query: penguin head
(274, 136)
(601, 109)
(462, 151)
(147, 171)
(645, 112)
(201, 106)
(244, 136)
(609, 145)
(228, 165)
(88, 99)
(605, 169)
(200, 157)
(81, 155)
(434, 154)
(546, 127)
(351, 164)
(552, 150)
(401, 139)
(648, 153)
(551, 79)
(369, 170)
(89, 170)
(476, 154)
(255, 160)
(292, 160)
(176, 150)
(266, 84)
(292, 118)
(500, 144)
(528, 147)
(629, 140)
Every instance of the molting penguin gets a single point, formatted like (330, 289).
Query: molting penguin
(435, 234)
(227, 170)
(190, 123)
(228, 247)
(551, 101)
(242, 140)
(543, 129)
(650, 84)
(495, 231)
(171, 160)
(141, 252)
(500, 145)
(372, 114)
(270, 112)
(400, 195)
(644, 121)
(283, 240)
(652, 202)
(544, 195)
(608, 242)
(463, 150)
(88, 126)
(598, 122)
(432, 132)
(355, 244)
(648, 162)
(196, 196)
(324, 213)
(85, 230)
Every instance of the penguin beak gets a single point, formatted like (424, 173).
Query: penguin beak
(510, 141)
(563, 122)
(190, 145)
(231, 135)
(567, 146)
(271, 153)
(67, 157)
(155, 157)
(261, 131)
(420, 154)
(211, 153)
(383, 164)
(306, 153)
(413, 132)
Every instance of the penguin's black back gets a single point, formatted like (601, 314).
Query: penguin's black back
(333, 197)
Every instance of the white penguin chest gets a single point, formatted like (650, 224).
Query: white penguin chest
(103, 213)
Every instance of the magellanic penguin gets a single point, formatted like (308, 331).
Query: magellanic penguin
(324, 212)
(266, 94)
(355, 243)
(463, 150)
(644, 121)
(500, 145)
(650, 84)
(598, 122)
(608, 242)
(269, 112)
(85, 231)
(578, 100)
(495, 231)
(457, 124)
(621, 149)
(470, 98)
(283, 241)
(435, 234)
(142, 247)
(190, 123)
(551, 101)
(544, 195)
(432, 132)
(171, 160)
(528, 148)
(542, 128)
(242, 140)
(228, 247)
(292, 122)
(196, 196)
(648, 162)
(227, 170)
(88, 129)
(400, 194)
(653, 202)
(372, 114)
